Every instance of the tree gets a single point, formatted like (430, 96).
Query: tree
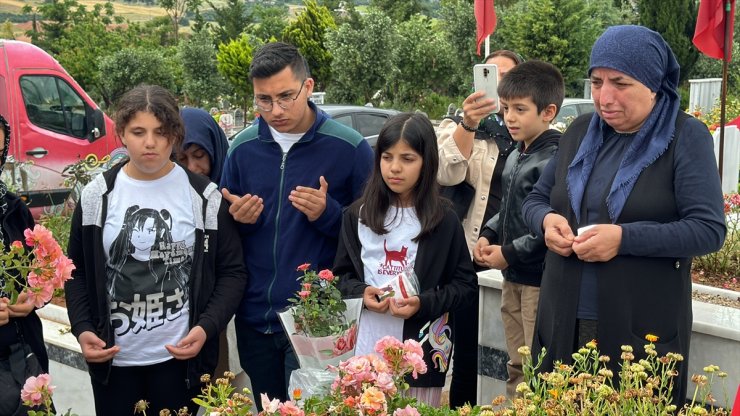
(675, 20)
(177, 9)
(364, 57)
(157, 30)
(269, 22)
(6, 30)
(199, 24)
(56, 18)
(332, 5)
(554, 31)
(308, 34)
(398, 10)
(458, 26)
(87, 41)
(423, 61)
(707, 67)
(231, 19)
(629, 15)
(130, 67)
(233, 60)
(202, 81)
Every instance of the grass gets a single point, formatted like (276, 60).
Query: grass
(133, 12)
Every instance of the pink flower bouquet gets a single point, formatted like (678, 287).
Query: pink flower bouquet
(37, 272)
(371, 384)
(322, 328)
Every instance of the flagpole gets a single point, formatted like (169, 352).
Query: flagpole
(723, 94)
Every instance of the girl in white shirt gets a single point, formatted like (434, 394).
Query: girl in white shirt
(401, 222)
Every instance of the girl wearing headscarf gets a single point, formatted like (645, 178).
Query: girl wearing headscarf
(631, 197)
(18, 322)
(205, 145)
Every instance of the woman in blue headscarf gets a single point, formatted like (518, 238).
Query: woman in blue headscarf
(205, 145)
(633, 194)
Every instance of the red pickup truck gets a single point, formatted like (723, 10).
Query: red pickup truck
(54, 123)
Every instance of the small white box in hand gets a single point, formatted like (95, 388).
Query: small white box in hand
(402, 286)
(585, 228)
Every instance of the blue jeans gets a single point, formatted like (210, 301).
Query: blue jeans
(264, 357)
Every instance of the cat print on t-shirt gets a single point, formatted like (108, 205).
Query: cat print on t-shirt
(396, 260)
(147, 272)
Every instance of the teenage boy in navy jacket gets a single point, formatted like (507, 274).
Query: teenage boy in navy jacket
(288, 177)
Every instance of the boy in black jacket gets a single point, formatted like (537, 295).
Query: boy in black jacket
(531, 95)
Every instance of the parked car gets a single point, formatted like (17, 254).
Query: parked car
(366, 120)
(572, 108)
(53, 122)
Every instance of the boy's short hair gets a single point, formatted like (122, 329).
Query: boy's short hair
(273, 57)
(538, 80)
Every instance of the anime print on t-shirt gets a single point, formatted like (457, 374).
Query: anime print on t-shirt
(147, 272)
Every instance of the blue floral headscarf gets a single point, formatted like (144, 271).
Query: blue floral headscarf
(645, 56)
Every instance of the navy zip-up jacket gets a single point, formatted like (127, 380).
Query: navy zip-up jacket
(283, 238)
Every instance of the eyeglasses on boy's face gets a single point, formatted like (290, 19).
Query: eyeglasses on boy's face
(284, 101)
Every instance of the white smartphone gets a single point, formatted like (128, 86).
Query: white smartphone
(485, 78)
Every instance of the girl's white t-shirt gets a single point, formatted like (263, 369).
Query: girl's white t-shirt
(383, 257)
(148, 238)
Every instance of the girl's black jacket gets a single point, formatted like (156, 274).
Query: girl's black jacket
(16, 220)
(447, 282)
(217, 276)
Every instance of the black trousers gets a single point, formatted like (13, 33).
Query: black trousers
(268, 360)
(163, 385)
(464, 383)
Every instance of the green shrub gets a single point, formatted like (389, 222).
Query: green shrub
(726, 261)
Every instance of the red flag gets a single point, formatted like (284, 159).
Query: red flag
(485, 20)
(709, 35)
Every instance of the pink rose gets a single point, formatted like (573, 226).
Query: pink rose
(327, 275)
(307, 286)
(385, 382)
(290, 409)
(62, 271)
(412, 347)
(357, 365)
(304, 294)
(303, 267)
(269, 406)
(340, 346)
(406, 411)
(40, 296)
(352, 336)
(16, 246)
(387, 342)
(373, 399)
(37, 389)
(34, 280)
(43, 242)
(416, 363)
